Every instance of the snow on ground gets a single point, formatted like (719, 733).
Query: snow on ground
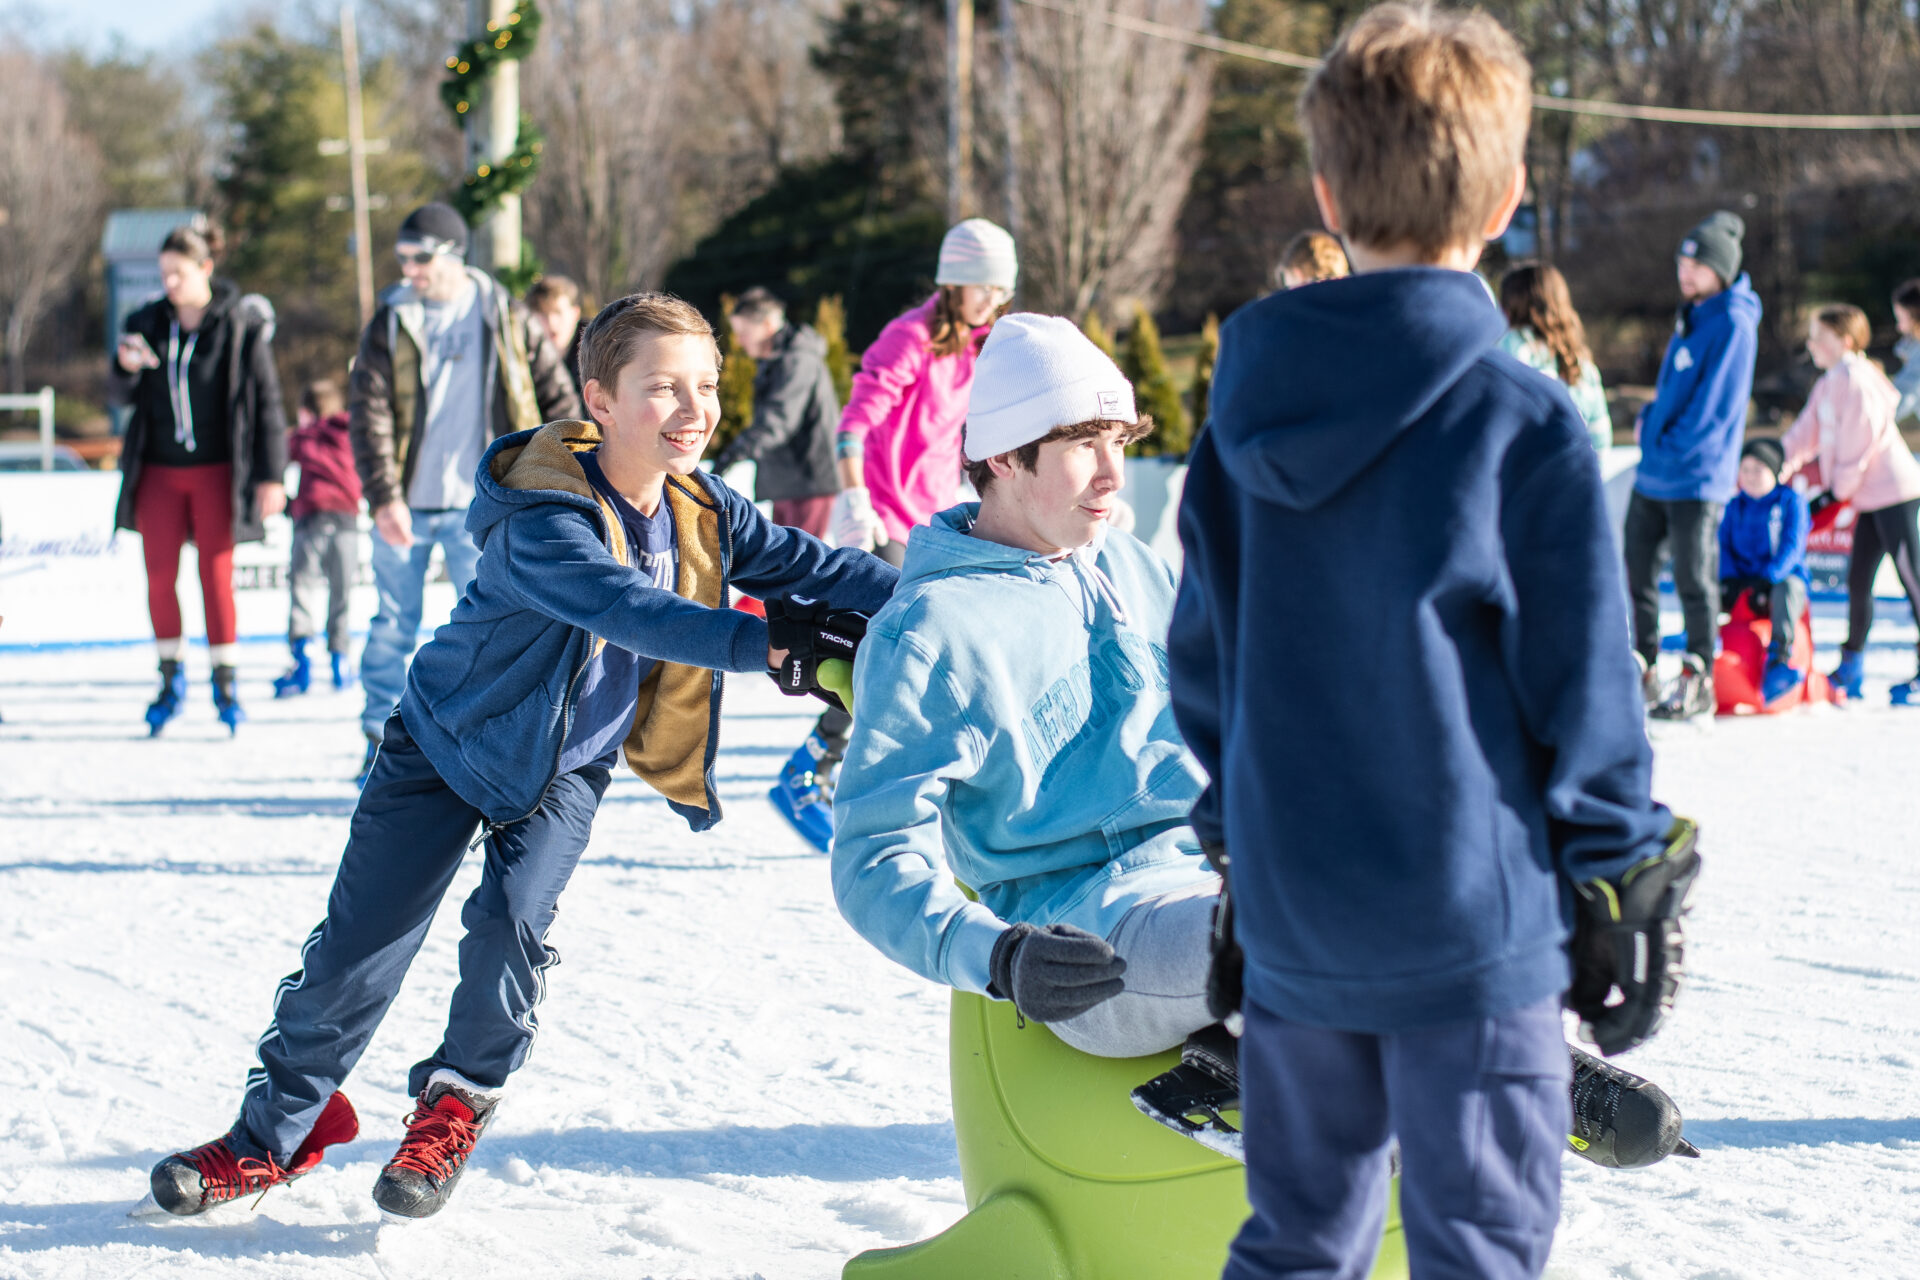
(728, 1083)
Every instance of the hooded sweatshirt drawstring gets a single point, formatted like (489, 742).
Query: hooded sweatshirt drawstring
(178, 360)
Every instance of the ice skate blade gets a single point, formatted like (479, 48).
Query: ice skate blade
(1687, 1149)
(149, 1210)
(1215, 1137)
(389, 1218)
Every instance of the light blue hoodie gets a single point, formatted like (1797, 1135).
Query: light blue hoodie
(1012, 730)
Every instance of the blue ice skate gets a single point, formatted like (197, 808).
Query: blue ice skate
(1779, 681)
(804, 793)
(299, 676)
(342, 673)
(1906, 693)
(226, 699)
(173, 692)
(1847, 676)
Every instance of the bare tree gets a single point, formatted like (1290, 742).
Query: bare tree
(606, 84)
(1107, 146)
(50, 193)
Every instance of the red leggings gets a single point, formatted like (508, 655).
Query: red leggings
(172, 505)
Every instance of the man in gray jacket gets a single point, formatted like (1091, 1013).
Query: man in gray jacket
(447, 364)
(796, 412)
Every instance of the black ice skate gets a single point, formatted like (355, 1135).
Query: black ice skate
(1621, 1120)
(441, 1131)
(1690, 696)
(192, 1182)
(1194, 1097)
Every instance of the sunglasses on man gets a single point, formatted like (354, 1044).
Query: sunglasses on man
(419, 257)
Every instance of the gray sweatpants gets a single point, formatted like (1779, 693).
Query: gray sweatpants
(326, 557)
(1164, 941)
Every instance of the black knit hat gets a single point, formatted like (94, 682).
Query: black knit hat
(1716, 243)
(437, 223)
(1769, 451)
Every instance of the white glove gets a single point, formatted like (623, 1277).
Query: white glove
(854, 522)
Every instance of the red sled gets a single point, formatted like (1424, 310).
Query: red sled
(1742, 664)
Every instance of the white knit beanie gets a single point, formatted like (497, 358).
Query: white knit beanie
(1037, 373)
(977, 252)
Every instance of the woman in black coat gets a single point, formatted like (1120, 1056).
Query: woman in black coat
(205, 454)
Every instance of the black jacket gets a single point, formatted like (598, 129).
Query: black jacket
(256, 418)
(795, 414)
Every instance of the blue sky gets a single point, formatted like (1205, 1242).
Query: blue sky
(143, 24)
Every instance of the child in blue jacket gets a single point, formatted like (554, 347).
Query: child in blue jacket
(1408, 830)
(1763, 552)
(597, 627)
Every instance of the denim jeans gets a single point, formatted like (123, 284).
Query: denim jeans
(400, 579)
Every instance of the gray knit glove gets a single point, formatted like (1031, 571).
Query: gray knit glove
(1054, 973)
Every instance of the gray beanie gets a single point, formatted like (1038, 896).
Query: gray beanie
(438, 223)
(1716, 243)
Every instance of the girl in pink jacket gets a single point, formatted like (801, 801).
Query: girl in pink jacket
(899, 442)
(1848, 427)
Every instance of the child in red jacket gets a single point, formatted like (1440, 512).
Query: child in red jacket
(326, 534)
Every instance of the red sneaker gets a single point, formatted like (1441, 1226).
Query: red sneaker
(441, 1131)
(190, 1182)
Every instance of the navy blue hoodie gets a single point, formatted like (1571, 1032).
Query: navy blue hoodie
(1400, 651)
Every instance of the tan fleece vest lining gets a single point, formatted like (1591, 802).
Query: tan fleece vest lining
(667, 746)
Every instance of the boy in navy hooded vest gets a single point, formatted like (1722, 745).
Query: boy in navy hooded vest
(596, 629)
(1399, 653)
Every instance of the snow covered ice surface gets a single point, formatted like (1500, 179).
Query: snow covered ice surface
(729, 1083)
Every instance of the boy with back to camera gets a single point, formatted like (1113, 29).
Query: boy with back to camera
(1403, 850)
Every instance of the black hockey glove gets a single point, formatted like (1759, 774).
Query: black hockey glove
(1225, 976)
(1054, 973)
(811, 631)
(1820, 502)
(1627, 939)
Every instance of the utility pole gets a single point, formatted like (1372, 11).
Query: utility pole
(959, 109)
(356, 147)
(1010, 110)
(493, 131)
(357, 167)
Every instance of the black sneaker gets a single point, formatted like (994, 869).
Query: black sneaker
(1621, 1120)
(445, 1124)
(1690, 696)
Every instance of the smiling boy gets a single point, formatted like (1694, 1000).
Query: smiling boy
(597, 626)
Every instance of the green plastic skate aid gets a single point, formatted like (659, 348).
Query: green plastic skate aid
(1065, 1180)
(835, 675)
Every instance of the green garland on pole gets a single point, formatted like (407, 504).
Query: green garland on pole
(508, 40)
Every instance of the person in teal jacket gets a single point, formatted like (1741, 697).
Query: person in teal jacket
(1012, 728)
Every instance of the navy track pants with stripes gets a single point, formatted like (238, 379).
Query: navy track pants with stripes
(409, 835)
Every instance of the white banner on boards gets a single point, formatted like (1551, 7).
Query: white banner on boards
(67, 578)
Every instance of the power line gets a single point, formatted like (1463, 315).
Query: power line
(1541, 101)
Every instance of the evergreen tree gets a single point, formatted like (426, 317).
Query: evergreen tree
(1154, 391)
(1203, 371)
(1096, 331)
(736, 384)
(830, 322)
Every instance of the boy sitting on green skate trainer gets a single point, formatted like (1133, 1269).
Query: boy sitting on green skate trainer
(1013, 728)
